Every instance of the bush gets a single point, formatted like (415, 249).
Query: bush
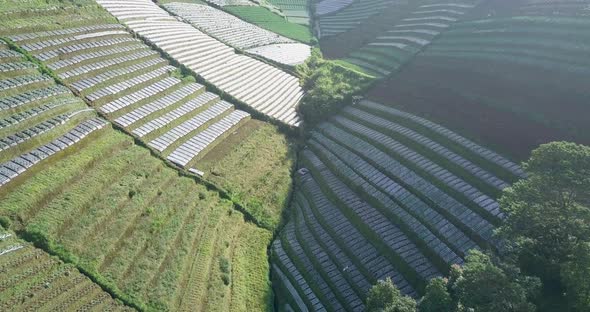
(328, 87)
(224, 265)
(5, 222)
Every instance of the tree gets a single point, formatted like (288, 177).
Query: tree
(328, 87)
(548, 217)
(576, 278)
(385, 297)
(483, 286)
(436, 297)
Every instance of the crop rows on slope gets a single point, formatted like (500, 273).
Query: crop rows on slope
(240, 34)
(153, 236)
(134, 87)
(32, 280)
(349, 17)
(385, 195)
(38, 119)
(406, 36)
(490, 76)
(265, 88)
(296, 11)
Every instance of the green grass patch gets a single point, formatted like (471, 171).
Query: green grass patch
(254, 166)
(251, 290)
(266, 19)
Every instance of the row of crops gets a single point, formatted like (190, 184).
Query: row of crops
(487, 75)
(383, 193)
(139, 231)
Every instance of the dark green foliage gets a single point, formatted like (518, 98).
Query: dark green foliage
(328, 87)
(385, 297)
(485, 285)
(5, 222)
(41, 240)
(548, 224)
(575, 275)
(436, 298)
(225, 267)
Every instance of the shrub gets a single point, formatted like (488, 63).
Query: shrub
(5, 222)
(328, 87)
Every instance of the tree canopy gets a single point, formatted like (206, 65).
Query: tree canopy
(547, 229)
(437, 297)
(385, 297)
(328, 86)
(485, 286)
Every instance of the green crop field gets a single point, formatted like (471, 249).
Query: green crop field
(271, 21)
(256, 171)
(33, 280)
(142, 170)
(155, 238)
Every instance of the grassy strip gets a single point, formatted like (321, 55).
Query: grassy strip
(220, 283)
(266, 19)
(42, 241)
(43, 138)
(255, 168)
(355, 68)
(19, 201)
(251, 288)
(41, 66)
(67, 107)
(174, 123)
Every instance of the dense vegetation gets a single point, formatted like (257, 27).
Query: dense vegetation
(264, 18)
(254, 167)
(544, 265)
(329, 86)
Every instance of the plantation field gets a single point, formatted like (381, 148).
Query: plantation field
(495, 87)
(380, 193)
(388, 40)
(296, 11)
(154, 238)
(101, 71)
(31, 279)
(266, 19)
(35, 15)
(255, 169)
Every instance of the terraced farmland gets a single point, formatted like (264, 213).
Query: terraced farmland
(186, 203)
(421, 23)
(240, 34)
(132, 85)
(155, 237)
(33, 280)
(265, 88)
(349, 17)
(296, 11)
(486, 76)
(380, 193)
(38, 118)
